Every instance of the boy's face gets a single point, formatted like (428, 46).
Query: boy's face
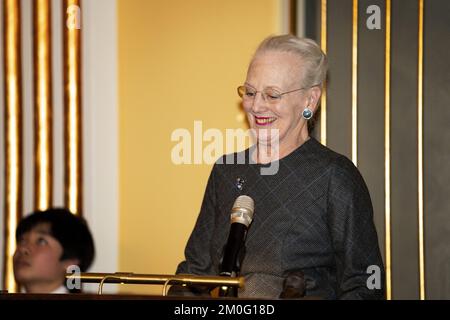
(37, 264)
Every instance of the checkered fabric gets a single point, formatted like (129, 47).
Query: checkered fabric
(314, 215)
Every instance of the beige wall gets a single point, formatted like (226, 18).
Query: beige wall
(179, 61)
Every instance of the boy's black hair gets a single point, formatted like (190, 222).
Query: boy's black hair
(71, 231)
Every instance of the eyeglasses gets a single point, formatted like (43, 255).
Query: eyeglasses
(248, 94)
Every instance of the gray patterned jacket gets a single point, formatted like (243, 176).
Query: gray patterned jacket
(314, 216)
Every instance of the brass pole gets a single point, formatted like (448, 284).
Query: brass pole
(420, 152)
(121, 277)
(355, 83)
(387, 150)
(72, 106)
(43, 153)
(323, 98)
(13, 136)
(158, 279)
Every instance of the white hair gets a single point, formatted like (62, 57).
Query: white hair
(314, 68)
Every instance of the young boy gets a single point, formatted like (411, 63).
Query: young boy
(48, 242)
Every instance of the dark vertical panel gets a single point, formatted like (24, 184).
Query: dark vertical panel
(293, 16)
(404, 208)
(404, 130)
(371, 111)
(437, 148)
(339, 106)
(312, 31)
(312, 15)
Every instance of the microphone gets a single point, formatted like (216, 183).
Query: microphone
(241, 218)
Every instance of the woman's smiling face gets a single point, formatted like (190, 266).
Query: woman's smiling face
(279, 71)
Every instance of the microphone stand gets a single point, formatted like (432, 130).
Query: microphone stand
(226, 291)
(232, 291)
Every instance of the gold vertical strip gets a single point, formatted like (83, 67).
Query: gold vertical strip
(43, 104)
(323, 98)
(355, 83)
(72, 106)
(420, 152)
(387, 150)
(13, 136)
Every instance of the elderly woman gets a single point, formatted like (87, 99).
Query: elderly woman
(312, 232)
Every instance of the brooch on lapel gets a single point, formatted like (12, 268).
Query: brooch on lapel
(240, 183)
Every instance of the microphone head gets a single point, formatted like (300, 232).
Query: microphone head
(242, 211)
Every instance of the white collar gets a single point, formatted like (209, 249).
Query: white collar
(61, 289)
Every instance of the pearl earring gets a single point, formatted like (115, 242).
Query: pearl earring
(307, 113)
